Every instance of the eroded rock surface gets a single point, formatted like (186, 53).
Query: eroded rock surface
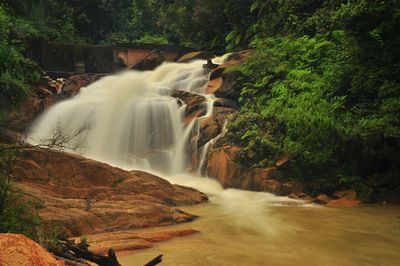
(83, 196)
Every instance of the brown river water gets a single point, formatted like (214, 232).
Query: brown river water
(252, 228)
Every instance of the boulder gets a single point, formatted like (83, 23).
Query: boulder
(83, 196)
(345, 194)
(200, 55)
(194, 102)
(74, 83)
(344, 203)
(209, 129)
(322, 199)
(221, 165)
(22, 251)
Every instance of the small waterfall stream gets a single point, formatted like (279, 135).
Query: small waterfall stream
(134, 122)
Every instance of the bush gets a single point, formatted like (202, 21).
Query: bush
(300, 97)
(17, 214)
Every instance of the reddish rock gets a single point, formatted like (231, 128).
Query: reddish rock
(195, 103)
(322, 199)
(346, 194)
(262, 179)
(74, 83)
(344, 203)
(83, 196)
(292, 187)
(132, 239)
(209, 129)
(22, 251)
(222, 167)
(283, 161)
(214, 85)
(196, 114)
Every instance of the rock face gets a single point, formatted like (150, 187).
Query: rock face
(132, 240)
(22, 251)
(43, 95)
(74, 83)
(83, 196)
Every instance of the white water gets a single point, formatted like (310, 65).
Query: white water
(134, 123)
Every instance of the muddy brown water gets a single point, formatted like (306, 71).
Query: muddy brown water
(248, 228)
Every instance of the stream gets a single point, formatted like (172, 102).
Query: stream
(253, 228)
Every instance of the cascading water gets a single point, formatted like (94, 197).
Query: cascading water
(133, 121)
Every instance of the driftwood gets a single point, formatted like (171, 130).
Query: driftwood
(155, 261)
(76, 252)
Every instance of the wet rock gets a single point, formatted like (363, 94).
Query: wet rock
(83, 196)
(22, 251)
(74, 83)
(345, 194)
(223, 85)
(194, 102)
(292, 187)
(262, 179)
(344, 203)
(322, 199)
(209, 129)
(200, 55)
(221, 165)
(132, 239)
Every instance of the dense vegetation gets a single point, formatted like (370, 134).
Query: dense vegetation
(324, 88)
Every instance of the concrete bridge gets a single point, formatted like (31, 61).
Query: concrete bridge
(65, 59)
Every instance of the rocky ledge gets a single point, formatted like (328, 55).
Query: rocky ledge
(83, 196)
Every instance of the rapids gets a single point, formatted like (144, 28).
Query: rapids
(133, 123)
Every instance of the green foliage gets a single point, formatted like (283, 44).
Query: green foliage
(328, 74)
(17, 214)
(16, 71)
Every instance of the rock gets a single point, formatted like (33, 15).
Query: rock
(322, 199)
(196, 114)
(221, 102)
(221, 166)
(22, 251)
(209, 129)
(200, 55)
(221, 114)
(223, 85)
(194, 102)
(83, 196)
(214, 85)
(346, 194)
(343, 203)
(129, 240)
(74, 83)
(262, 179)
(283, 161)
(292, 187)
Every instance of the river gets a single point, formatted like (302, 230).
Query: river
(252, 228)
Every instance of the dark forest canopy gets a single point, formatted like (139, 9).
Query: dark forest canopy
(322, 87)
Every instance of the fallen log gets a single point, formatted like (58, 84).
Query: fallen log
(71, 251)
(155, 261)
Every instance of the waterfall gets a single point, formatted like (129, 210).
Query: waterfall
(132, 120)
